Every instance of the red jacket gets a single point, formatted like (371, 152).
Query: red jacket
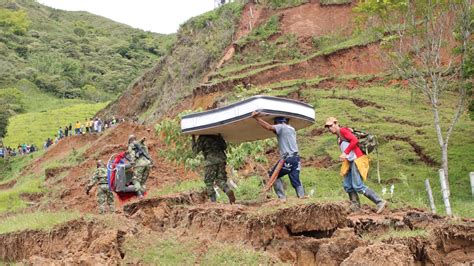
(346, 134)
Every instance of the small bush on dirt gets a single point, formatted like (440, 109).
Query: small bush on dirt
(179, 146)
(160, 250)
(262, 32)
(238, 155)
(248, 188)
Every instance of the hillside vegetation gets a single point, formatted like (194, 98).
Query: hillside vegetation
(201, 42)
(50, 56)
(73, 54)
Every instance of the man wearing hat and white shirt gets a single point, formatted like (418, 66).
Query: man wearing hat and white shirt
(288, 147)
(355, 166)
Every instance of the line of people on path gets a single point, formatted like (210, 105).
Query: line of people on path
(89, 126)
(22, 149)
(354, 169)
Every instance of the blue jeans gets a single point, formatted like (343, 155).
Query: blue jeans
(353, 181)
(291, 167)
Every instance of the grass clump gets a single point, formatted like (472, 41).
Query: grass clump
(279, 4)
(262, 32)
(225, 254)
(36, 220)
(160, 250)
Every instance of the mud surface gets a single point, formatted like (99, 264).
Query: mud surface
(77, 241)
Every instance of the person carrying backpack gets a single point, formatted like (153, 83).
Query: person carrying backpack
(355, 166)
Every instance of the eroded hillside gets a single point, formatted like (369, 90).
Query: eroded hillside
(308, 51)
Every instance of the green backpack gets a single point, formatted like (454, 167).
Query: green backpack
(367, 141)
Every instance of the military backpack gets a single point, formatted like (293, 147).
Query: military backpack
(367, 141)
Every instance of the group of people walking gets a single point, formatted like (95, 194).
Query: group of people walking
(354, 170)
(89, 126)
(138, 160)
(355, 164)
(22, 149)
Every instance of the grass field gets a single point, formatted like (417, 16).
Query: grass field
(36, 127)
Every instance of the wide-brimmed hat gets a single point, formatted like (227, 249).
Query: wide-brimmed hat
(330, 121)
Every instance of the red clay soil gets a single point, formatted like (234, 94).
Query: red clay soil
(75, 242)
(7, 185)
(314, 233)
(59, 151)
(312, 19)
(304, 234)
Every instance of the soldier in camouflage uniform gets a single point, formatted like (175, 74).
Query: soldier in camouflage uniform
(105, 198)
(140, 159)
(213, 148)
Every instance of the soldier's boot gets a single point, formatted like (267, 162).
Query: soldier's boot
(355, 202)
(138, 188)
(111, 208)
(300, 192)
(279, 190)
(230, 195)
(213, 197)
(371, 195)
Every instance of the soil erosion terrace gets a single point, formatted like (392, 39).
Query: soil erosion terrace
(305, 234)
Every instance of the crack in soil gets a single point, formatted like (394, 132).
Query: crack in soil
(358, 102)
(417, 148)
(313, 233)
(402, 122)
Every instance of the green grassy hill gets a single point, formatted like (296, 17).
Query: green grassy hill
(73, 54)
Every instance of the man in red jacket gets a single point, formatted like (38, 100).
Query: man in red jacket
(355, 165)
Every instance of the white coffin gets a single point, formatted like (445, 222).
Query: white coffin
(235, 124)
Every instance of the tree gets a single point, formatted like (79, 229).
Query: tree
(428, 43)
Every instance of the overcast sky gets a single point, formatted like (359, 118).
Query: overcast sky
(159, 16)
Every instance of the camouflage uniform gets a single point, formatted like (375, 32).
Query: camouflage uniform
(104, 195)
(213, 148)
(141, 165)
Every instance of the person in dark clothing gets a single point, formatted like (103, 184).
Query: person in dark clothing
(213, 148)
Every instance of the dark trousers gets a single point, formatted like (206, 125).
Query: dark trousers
(291, 167)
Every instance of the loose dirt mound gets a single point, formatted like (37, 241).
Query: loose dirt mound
(380, 254)
(59, 151)
(73, 242)
(312, 19)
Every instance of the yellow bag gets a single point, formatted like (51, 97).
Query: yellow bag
(362, 164)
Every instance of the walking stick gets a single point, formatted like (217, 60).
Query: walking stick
(274, 175)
